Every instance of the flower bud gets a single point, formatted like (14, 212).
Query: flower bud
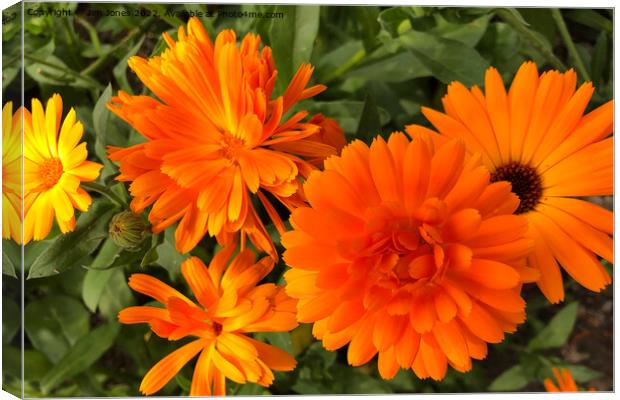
(128, 230)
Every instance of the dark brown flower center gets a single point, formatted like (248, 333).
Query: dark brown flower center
(217, 328)
(526, 184)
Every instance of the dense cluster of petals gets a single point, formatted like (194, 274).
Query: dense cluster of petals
(230, 306)
(408, 251)
(216, 137)
(536, 136)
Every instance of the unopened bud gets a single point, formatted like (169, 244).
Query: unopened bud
(128, 230)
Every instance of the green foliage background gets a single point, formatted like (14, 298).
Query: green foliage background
(380, 65)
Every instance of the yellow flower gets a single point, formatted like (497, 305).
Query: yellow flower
(11, 173)
(54, 166)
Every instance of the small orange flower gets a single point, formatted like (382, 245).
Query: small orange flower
(215, 136)
(230, 306)
(536, 137)
(565, 381)
(407, 250)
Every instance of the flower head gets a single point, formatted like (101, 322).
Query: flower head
(11, 173)
(215, 136)
(407, 250)
(230, 305)
(536, 137)
(54, 166)
(565, 380)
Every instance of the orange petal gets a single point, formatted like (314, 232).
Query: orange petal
(155, 288)
(169, 366)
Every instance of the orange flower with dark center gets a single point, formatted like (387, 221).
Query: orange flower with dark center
(230, 306)
(565, 381)
(536, 137)
(409, 251)
(215, 136)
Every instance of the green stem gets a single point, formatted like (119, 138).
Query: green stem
(102, 59)
(68, 71)
(570, 45)
(95, 187)
(92, 33)
(529, 36)
(350, 63)
(72, 40)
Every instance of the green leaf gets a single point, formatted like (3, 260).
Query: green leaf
(150, 257)
(512, 379)
(116, 295)
(11, 319)
(301, 338)
(314, 371)
(370, 122)
(541, 21)
(35, 365)
(11, 258)
(53, 324)
(101, 125)
(599, 58)
(468, 33)
(558, 330)
(94, 284)
(106, 255)
(590, 18)
(51, 70)
(364, 383)
(515, 13)
(392, 18)
(66, 251)
(403, 66)
(281, 340)
(366, 18)
(11, 362)
(251, 389)
(120, 70)
(81, 356)
(101, 114)
(445, 58)
(347, 113)
(292, 39)
(583, 374)
(168, 256)
(184, 383)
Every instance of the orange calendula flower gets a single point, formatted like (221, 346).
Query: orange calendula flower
(407, 250)
(566, 383)
(537, 137)
(215, 136)
(54, 166)
(11, 173)
(230, 306)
